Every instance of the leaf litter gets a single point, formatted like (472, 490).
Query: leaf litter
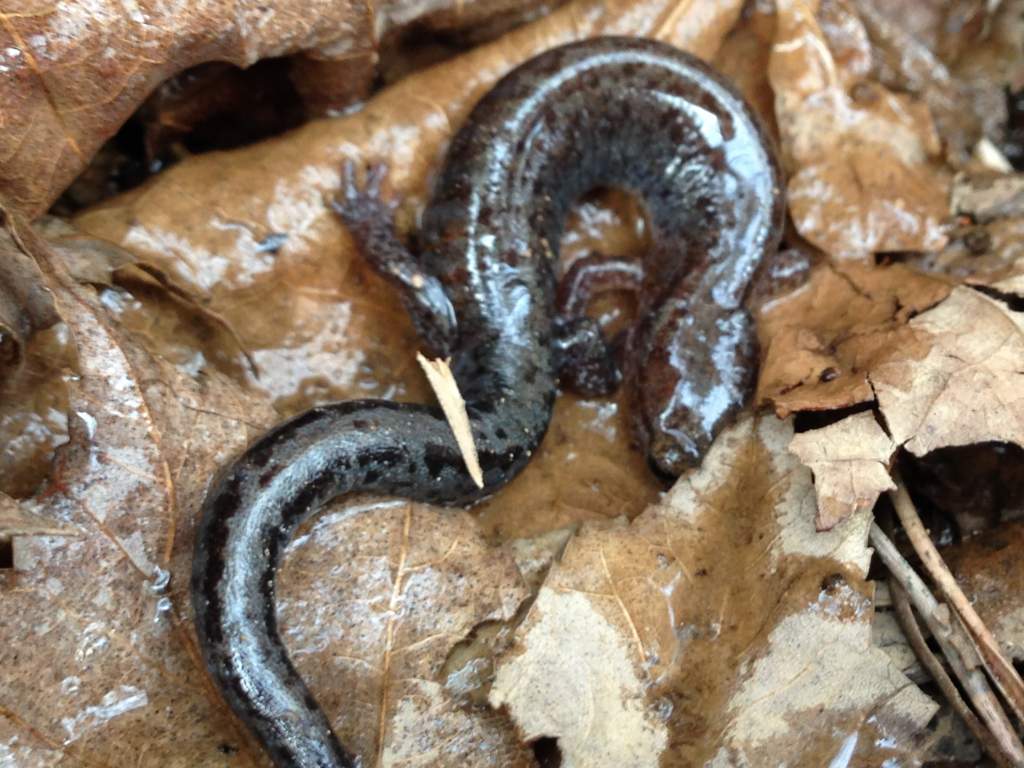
(726, 622)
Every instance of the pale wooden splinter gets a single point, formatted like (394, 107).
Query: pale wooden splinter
(441, 380)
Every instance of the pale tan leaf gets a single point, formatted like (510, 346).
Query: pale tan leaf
(15, 520)
(970, 386)
(721, 612)
(850, 461)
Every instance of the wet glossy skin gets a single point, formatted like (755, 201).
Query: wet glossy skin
(609, 112)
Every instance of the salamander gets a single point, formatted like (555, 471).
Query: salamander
(619, 112)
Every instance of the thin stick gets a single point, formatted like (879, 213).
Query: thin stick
(912, 631)
(998, 666)
(956, 647)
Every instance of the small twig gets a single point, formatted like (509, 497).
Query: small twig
(999, 668)
(957, 647)
(912, 631)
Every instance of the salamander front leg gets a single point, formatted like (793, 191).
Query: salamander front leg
(371, 222)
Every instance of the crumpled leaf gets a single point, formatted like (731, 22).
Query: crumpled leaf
(862, 160)
(850, 462)
(970, 386)
(958, 383)
(72, 72)
(717, 628)
(821, 342)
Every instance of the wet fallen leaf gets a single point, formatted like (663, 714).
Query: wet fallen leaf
(71, 73)
(97, 646)
(863, 161)
(717, 628)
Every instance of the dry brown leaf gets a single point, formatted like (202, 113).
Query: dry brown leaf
(850, 462)
(970, 386)
(72, 72)
(863, 176)
(821, 342)
(718, 628)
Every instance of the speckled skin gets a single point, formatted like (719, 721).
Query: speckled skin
(612, 111)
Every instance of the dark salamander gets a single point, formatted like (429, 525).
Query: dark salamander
(605, 112)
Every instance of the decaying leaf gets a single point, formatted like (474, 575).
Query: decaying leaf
(862, 160)
(717, 628)
(989, 568)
